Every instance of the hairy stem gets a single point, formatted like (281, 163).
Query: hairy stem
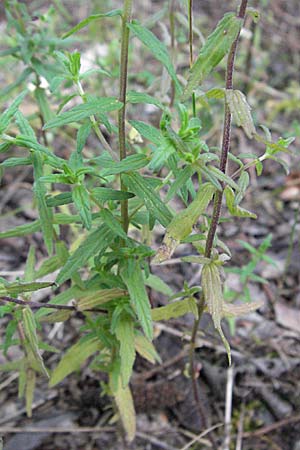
(226, 138)
(217, 205)
(191, 39)
(126, 18)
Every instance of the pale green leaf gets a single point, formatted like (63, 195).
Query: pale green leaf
(146, 349)
(158, 285)
(81, 200)
(148, 131)
(91, 18)
(182, 224)
(125, 335)
(9, 113)
(79, 112)
(29, 390)
(96, 242)
(90, 300)
(156, 47)
(133, 278)
(213, 296)
(241, 111)
(142, 97)
(104, 194)
(213, 51)
(29, 325)
(74, 359)
(144, 190)
(125, 405)
(173, 310)
(236, 210)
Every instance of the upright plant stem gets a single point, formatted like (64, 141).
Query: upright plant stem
(191, 40)
(226, 138)
(217, 202)
(126, 18)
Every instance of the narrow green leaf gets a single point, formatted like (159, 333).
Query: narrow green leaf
(113, 223)
(133, 278)
(32, 144)
(181, 180)
(17, 287)
(99, 297)
(29, 390)
(13, 162)
(24, 126)
(79, 112)
(158, 285)
(29, 326)
(236, 210)
(42, 101)
(223, 177)
(125, 335)
(213, 51)
(9, 113)
(82, 135)
(146, 349)
(125, 405)
(132, 162)
(182, 224)
(241, 111)
(148, 131)
(88, 20)
(95, 243)
(81, 200)
(104, 194)
(74, 358)
(213, 295)
(156, 47)
(173, 310)
(144, 190)
(60, 199)
(141, 97)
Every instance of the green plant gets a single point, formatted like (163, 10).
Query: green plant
(104, 197)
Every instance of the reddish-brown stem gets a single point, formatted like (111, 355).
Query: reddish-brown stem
(217, 203)
(226, 138)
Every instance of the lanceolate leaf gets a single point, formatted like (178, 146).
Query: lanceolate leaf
(143, 189)
(103, 194)
(74, 358)
(146, 349)
(141, 97)
(22, 230)
(156, 47)
(133, 278)
(125, 335)
(213, 295)
(213, 51)
(30, 333)
(132, 162)
(88, 20)
(236, 210)
(241, 111)
(81, 200)
(9, 113)
(124, 402)
(182, 224)
(148, 131)
(79, 112)
(96, 242)
(173, 310)
(90, 300)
